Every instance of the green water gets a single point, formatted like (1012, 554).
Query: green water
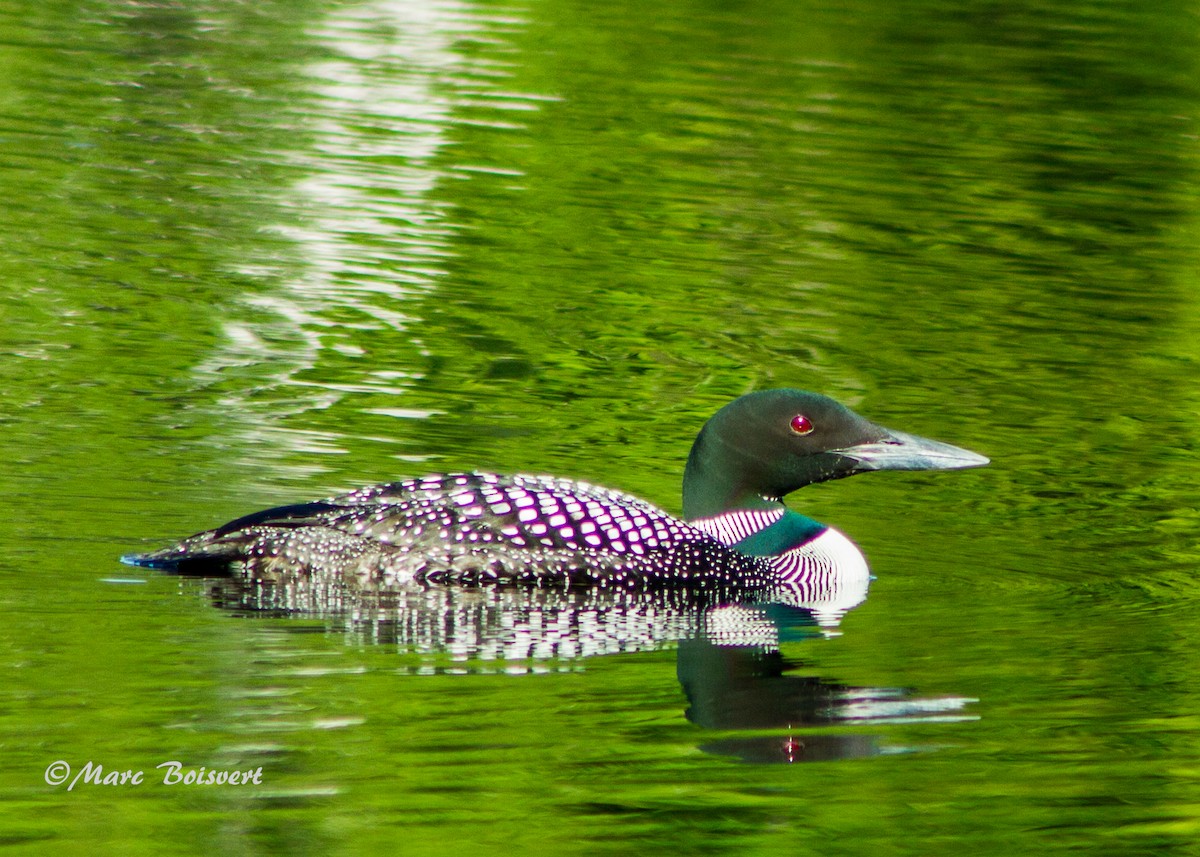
(257, 253)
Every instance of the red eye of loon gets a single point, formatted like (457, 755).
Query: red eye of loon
(802, 424)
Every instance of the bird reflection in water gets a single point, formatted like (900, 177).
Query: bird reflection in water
(748, 685)
(730, 664)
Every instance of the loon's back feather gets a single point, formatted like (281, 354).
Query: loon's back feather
(470, 527)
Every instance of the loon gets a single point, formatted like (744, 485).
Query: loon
(481, 527)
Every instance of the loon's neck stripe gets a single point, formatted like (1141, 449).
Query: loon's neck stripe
(733, 527)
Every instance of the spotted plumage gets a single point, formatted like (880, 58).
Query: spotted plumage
(475, 527)
(472, 527)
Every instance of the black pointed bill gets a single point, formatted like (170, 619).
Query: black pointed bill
(900, 451)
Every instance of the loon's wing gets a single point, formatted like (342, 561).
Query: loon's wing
(522, 511)
(458, 526)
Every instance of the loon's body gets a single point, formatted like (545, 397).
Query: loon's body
(478, 526)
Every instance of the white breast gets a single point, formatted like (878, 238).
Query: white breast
(828, 575)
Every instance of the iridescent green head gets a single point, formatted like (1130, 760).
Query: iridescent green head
(764, 445)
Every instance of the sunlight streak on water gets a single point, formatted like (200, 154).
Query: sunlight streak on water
(373, 237)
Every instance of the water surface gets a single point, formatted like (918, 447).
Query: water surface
(259, 254)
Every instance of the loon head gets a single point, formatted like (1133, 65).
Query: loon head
(765, 445)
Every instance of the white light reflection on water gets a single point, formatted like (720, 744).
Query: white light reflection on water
(389, 90)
